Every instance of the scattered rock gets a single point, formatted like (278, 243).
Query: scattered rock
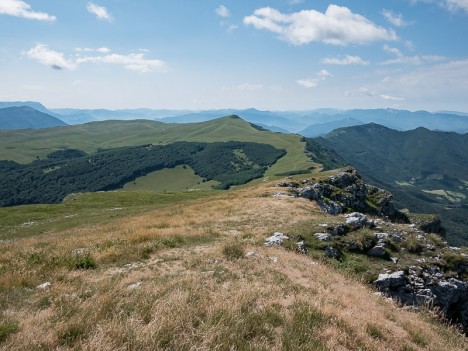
(392, 280)
(134, 286)
(322, 236)
(381, 236)
(301, 247)
(273, 258)
(44, 285)
(377, 251)
(276, 239)
(357, 220)
(331, 252)
(250, 254)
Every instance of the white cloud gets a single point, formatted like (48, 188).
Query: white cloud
(57, 60)
(393, 51)
(134, 62)
(347, 60)
(223, 11)
(99, 11)
(337, 26)
(323, 74)
(295, 2)
(455, 5)
(232, 28)
(49, 57)
(392, 98)
(103, 50)
(308, 83)
(20, 8)
(449, 5)
(414, 60)
(394, 18)
(372, 93)
(313, 82)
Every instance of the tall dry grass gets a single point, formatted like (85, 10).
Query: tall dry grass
(165, 281)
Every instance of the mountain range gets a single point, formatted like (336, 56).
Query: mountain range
(310, 123)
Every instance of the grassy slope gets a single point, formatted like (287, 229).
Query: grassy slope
(85, 209)
(173, 179)
(192, 294)
(25, 145)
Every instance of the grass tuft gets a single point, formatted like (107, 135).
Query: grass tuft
(7, 328)
(233, 251)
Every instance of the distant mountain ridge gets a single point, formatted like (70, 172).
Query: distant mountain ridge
(25, 117)
(310, 123)
(426, 170)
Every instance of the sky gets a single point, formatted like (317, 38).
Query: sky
(264, 54)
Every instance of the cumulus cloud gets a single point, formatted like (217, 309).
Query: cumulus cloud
(337, 26)
(22, 9)
(99, 11)
(414, 60)
(135, 61)
(394, 18)
(50, 58)
(223, 11)
(347, 60)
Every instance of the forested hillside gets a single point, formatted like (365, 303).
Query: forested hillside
(69, 171)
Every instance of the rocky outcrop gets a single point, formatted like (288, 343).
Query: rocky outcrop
(428, 286)
(345, 192)
(413, 267)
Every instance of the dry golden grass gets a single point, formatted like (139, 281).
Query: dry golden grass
(191, 294)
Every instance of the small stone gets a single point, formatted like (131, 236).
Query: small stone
(394, 259)
(381, 236)
(134, 286)
(44, 285)
(323, 236)
(250, 254)
(331, 252)
(274, 259)
(377, 251)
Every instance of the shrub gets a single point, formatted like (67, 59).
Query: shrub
(7, 328)
(233, 251)
(82, 261)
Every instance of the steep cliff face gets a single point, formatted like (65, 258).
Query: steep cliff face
(403, 255)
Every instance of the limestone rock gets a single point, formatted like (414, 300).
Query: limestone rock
(276, 239)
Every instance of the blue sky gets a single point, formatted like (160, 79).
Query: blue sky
(204, 54)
